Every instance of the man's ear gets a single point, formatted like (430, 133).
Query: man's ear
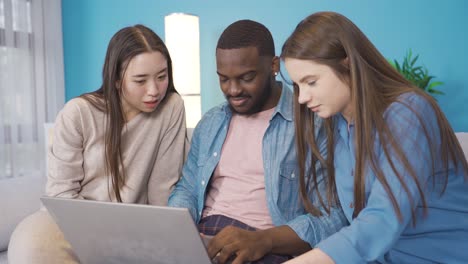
(275, 65)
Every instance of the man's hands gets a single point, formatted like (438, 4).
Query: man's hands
(233, 243)
(241, 246)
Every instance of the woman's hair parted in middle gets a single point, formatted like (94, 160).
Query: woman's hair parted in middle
(123, 47)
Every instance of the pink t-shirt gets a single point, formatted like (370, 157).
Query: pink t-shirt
(238, 183)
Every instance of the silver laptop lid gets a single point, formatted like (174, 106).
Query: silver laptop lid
(104, 232)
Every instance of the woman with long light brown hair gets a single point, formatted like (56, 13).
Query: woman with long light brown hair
(125, 142)
(392, 160)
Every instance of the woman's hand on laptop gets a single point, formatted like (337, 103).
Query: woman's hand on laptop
(238, 245)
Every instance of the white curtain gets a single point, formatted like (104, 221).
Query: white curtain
(31, 82)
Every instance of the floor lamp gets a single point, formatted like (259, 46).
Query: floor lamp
(182, 38)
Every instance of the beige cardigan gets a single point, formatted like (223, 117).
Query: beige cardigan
(154, 147)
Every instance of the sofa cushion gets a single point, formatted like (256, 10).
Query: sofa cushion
(19, 197)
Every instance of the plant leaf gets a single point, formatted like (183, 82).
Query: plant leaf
(398, 66)
(415, 59)
(434, 84)
(418, 75)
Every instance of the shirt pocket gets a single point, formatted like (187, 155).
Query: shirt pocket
(288, 170)
(288, 196)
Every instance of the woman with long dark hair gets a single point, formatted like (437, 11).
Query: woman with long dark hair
(125, 142)
(392, 160)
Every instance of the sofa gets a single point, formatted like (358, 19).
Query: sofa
(20, 197)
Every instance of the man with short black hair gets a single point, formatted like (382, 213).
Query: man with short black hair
(239, 181)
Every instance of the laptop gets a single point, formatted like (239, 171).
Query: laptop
(105, 232)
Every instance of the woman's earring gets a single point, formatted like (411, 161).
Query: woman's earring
(276, 73)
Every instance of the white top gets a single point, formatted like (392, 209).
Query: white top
(154, 147)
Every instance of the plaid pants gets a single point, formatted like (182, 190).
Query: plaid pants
(211, 225)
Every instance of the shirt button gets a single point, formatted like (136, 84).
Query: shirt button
(293, 175)
(215, 154)
(202, 182)
(351, 205)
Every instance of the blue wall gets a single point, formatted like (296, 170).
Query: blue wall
(436, 30)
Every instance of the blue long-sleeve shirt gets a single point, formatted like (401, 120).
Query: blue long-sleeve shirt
(376, 233)
(280, 166)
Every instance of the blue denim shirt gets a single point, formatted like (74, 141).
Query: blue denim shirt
(280, 166)
(376, 233)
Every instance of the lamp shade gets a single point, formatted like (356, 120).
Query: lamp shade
(182, 38)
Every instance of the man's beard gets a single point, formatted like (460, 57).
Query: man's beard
(258, 105)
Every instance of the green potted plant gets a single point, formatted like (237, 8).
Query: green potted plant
(418, 75)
